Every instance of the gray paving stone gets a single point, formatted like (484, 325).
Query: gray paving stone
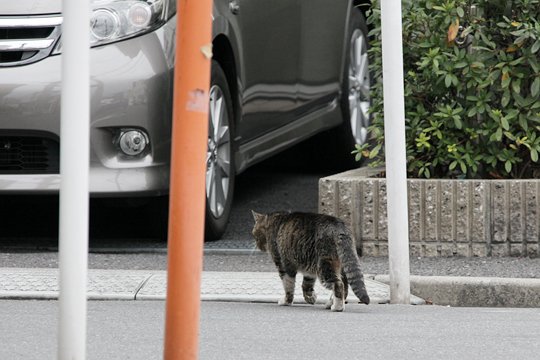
(254, 287)
(152, 285)
(102, 284)
(43, 283)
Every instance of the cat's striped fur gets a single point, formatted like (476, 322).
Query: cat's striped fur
(316, 245)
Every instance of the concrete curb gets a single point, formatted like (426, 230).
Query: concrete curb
(224, 251)
(266, 287)
(474, 291)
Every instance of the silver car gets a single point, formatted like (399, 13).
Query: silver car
(282, 71)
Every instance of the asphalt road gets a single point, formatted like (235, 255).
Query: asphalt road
(123, 239)
(134, 330)
(474, 267)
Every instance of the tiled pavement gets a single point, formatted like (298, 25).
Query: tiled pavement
(18, 283)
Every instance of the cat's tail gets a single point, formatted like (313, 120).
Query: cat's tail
(351, 265)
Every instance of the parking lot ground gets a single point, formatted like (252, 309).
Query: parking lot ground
(134, 330)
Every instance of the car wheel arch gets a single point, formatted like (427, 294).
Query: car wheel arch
(223, 53)
(363, 6)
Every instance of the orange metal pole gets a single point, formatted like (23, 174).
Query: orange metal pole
(188, 172)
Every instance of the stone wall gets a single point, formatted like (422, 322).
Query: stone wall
(446, 217)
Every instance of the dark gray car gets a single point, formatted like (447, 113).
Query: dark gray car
(282, 71)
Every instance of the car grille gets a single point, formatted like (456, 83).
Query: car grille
(29, 155)
(25, 40)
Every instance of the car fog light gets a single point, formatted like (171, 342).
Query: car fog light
(140, 15)
(132, 142)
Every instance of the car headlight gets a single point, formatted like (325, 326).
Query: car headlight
(115, 20)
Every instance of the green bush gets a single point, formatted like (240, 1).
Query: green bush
(472, 88)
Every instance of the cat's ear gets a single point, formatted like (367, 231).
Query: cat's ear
(256, 215)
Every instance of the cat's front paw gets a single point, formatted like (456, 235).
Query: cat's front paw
(310, 298)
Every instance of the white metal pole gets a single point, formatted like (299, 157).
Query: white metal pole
(74, 169)
(394, 129)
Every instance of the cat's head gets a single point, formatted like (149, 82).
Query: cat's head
(259, 229)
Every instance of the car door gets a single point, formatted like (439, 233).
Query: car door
(269, 35)
(322, 36)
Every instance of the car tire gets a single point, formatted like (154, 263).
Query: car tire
(355, 100)
(220, 167)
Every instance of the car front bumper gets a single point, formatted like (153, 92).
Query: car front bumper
(131, 88)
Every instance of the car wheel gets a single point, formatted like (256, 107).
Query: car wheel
(355, 99)
(357, 82)
(220, 171)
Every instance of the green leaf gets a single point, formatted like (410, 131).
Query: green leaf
(504, 123)
(520, 100)
(457, 122)
(534, 155)
(534, 64)
(448, 80)
(460, 12)
(535, 47)
(453, 165)
(535, 87)
(373, 153)
(516, 86)
(498, 134)
(463, 167)
(505, 99)
(517, 61)
(509, 135)
(523, 123)
(508, 166)
(505, 82)
(478, 65)
(512, 114)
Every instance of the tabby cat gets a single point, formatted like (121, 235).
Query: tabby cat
(318, 246)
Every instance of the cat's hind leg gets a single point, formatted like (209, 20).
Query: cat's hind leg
(330, 275)
(307, 289)
(339, 300)
(288, 279)
(345, 285)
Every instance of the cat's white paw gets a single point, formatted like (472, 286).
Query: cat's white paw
(338, 305)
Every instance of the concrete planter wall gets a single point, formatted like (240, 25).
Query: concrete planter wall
(446, 217)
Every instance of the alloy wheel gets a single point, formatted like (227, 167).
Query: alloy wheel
(359, 85)
(218, 156)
